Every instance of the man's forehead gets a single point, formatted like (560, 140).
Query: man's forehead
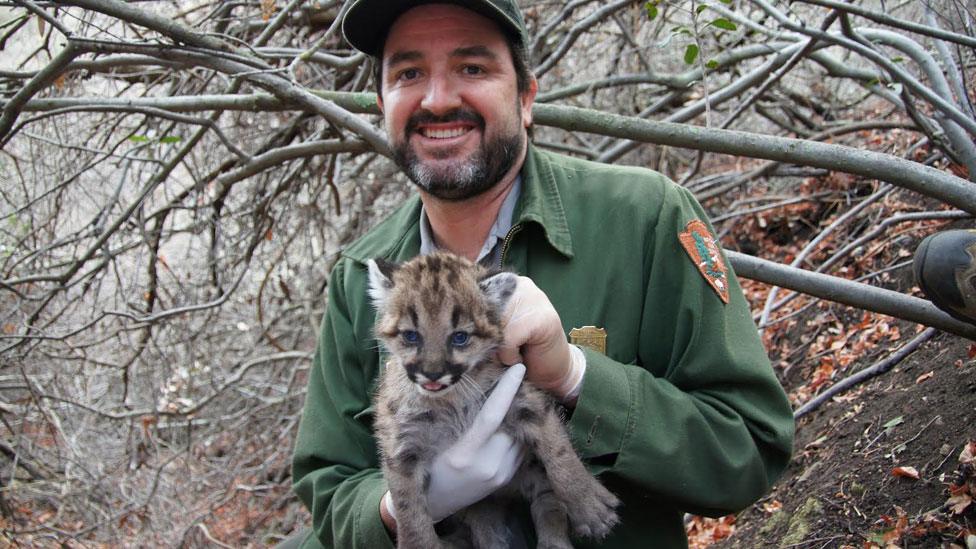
(462, 52)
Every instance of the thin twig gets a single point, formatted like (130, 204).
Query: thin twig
(865, 374)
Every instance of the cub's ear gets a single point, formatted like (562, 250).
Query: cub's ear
(380, 280)
(499, 287)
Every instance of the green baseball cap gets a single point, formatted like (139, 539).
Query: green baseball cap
(367, 21)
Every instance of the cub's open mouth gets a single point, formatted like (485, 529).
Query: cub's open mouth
(433, 386)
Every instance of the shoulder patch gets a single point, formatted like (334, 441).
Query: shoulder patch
(705, 254)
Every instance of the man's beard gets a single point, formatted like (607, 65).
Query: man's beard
(465, 177)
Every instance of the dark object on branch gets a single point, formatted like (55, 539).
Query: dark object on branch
(945, 269)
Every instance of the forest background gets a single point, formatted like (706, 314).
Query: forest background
(178, 178)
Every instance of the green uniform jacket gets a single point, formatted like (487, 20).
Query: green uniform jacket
(682, 414)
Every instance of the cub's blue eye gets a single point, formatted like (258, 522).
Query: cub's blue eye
(410, 337)
(459, 338)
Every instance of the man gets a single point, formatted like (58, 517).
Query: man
(672, 401)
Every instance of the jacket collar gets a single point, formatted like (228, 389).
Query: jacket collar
(397, 238)
(541, 202)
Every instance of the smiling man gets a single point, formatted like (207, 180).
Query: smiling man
(627, 311)
(456, 116)
(456, 123)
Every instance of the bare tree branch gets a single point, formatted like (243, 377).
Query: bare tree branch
(862, 296)
(886, 19)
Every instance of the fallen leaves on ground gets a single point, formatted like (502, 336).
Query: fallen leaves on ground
(892, 529)
(703, 532)
(963, 489)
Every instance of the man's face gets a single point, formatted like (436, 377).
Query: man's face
(456, 122)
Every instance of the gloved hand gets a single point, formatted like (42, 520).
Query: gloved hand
(483, 460)
(534, 335)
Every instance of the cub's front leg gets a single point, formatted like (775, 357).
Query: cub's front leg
(405, 469)
(590, 506)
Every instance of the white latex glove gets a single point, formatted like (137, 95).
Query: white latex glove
(483, 460)
(534, 335)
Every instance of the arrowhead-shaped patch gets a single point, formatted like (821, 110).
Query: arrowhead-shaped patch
(706, 255)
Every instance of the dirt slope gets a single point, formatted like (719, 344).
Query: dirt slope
(841, 488)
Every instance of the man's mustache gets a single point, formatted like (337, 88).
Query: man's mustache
(457, 115)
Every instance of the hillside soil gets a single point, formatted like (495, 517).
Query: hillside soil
(889, 464)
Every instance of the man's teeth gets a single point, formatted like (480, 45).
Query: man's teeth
(444, 134)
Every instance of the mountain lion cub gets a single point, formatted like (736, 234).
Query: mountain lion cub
(439, 318)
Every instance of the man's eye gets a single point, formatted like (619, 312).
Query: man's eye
(459, 339)
(410, 337)
(408, 74)
(473, 70)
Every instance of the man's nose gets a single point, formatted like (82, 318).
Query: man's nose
(441, 95)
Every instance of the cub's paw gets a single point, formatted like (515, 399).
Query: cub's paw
(594, 516)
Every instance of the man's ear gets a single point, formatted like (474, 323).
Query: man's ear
(380, 280)
(498, 288)
(378, 82)
(528, 100)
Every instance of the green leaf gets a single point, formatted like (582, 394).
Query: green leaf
(138, 139)
(682, 30)
(700, 9)
(712, 64)
(651, 10)
(691, 53)
(898, 59)
(170, 139)
(726, 1)
(724, 23)
(895, 422)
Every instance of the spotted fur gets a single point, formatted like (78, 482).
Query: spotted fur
(434, 384)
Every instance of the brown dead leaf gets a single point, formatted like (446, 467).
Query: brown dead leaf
(956, 489)
(9, 328)
(972, 351)
(958, 503)
(147, 423)
(823, 373)
(959, 171)
(924, 377)
(703, 532)
(267, 9)
(968, 454)
(906, 472)
(772, 506)
(901, 525)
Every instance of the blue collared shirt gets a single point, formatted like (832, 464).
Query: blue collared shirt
(491, 250)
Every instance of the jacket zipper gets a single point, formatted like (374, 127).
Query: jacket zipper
(506, 243)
